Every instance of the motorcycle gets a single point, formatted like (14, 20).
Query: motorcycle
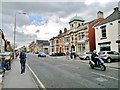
(100, 64)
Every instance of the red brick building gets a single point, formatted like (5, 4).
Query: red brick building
(80, 37)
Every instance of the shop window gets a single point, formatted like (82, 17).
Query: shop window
(105, 47)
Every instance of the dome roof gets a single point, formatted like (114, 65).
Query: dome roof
(77, 18)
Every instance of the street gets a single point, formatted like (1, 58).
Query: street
(58, 72)
(60, 44)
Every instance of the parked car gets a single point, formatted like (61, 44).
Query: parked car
(41, 54)
(57, 54)
(109, 56)
(85, 55)
(60, 54)
(36, 52)
(52, 54)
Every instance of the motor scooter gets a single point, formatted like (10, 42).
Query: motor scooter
(100, 64)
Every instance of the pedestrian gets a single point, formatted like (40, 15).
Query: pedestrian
(3, 65)
(71, 55)
(17, 54)
(67, 55)
(23, 61)
(75, 56)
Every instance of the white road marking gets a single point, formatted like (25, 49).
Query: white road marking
(100, 79)
(105, 76)
(113, 68)
(43, 87)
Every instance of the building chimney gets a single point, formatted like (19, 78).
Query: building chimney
(100, 14)
(60, 32)
(65, 30)
(116, 9)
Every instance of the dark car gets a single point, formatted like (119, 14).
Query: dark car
(36, 52)
(60, 54)
(41, 54)
(57, 54)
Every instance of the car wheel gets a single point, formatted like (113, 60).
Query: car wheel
(109, 60)
(87, 58)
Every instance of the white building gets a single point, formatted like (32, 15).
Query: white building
(2, 41)
(107, 33)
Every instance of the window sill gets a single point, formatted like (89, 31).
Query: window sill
(103, 38)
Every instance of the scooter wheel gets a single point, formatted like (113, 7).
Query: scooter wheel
(92, 67)
(103, 67)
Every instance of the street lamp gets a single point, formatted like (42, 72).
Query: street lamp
(15, 27)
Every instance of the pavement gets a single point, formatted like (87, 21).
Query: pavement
(14, 79)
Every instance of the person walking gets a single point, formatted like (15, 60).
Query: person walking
(75, 56)
(67, 55)
(3, 65)
(23, 61)
(71, 55)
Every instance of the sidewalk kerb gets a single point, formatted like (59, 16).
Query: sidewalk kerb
(38, 82)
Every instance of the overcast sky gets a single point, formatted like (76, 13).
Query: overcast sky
(43, 20)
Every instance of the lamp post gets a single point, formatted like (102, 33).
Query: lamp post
(15, 28)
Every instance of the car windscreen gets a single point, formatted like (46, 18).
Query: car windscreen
(110, 52)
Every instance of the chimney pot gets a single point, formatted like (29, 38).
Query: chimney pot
(116, 9)
(65, 30)
(60, 32)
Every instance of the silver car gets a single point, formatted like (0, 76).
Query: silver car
(109, 56)
(85, 55)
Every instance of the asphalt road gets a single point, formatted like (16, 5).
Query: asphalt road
(61, 73)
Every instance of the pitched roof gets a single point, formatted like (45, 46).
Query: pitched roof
(114, 16)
